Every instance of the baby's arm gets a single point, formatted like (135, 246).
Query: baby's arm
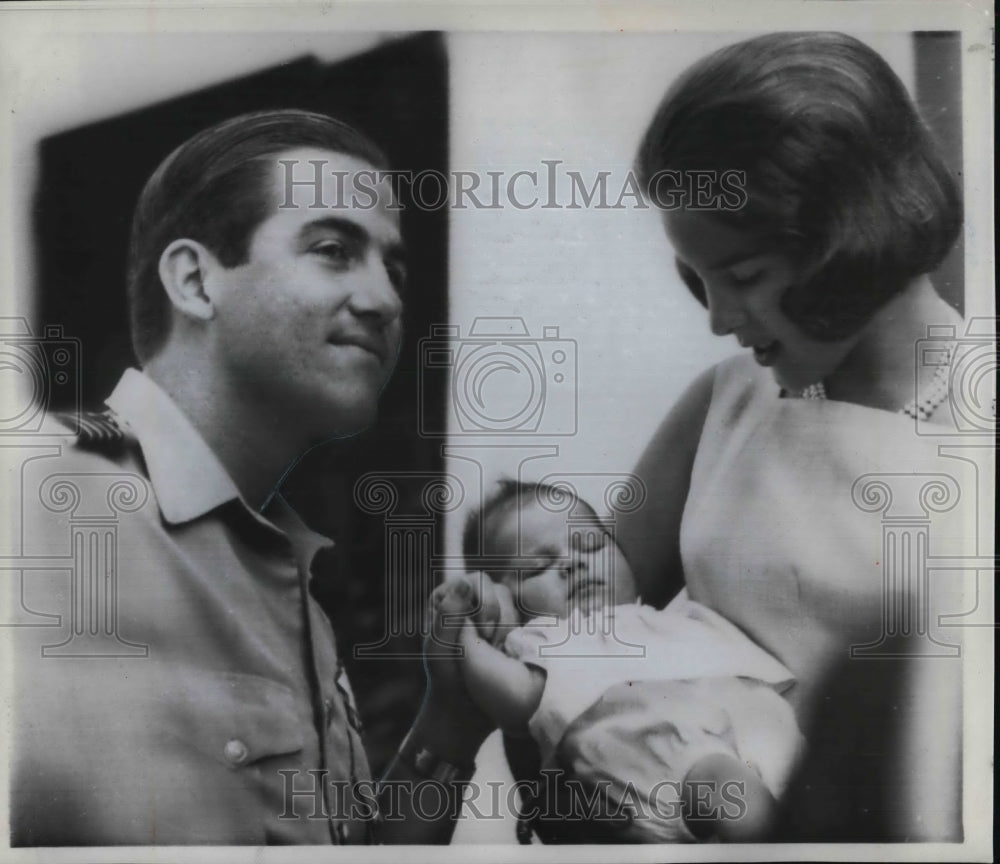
(507, 690)
(725, 799)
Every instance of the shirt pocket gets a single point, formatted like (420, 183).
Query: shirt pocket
(235, 719)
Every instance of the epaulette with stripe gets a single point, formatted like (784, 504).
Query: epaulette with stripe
(95, 430)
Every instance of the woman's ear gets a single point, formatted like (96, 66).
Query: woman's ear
(184, 265)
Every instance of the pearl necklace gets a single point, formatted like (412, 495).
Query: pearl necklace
(921, 408)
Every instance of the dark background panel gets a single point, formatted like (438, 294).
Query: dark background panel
(90, 179)
(938, 74)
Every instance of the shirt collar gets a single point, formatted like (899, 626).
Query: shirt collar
(186, 475)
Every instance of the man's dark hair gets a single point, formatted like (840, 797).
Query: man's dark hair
(507, 495)
(214, 188)
(840, 170)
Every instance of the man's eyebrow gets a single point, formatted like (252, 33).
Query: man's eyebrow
(335, 223)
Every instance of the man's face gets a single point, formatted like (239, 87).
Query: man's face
(308, 329)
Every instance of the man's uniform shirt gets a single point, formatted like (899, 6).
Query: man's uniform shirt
(186, 688)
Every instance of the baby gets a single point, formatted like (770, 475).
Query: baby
(559, 623)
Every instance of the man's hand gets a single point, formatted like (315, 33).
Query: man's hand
(452, 606)
(449, 724)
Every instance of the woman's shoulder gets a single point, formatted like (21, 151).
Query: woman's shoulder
(729, 384)
(742, 376)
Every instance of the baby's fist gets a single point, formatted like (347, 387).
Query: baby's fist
(455, 596)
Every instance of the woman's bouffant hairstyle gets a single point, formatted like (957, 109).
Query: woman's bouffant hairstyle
(215, 188)
(839, 169)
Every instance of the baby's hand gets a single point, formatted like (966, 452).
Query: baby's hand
(457, 595)
(489, 605)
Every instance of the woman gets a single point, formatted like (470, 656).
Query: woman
(820, 272)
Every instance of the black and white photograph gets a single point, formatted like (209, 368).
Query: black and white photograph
(519, 433)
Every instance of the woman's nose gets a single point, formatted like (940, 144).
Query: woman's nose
(725, 313)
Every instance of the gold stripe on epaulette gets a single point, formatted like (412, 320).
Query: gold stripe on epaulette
(95, 430)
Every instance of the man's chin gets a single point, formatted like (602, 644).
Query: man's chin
(321, 426)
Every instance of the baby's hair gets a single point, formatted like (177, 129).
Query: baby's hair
(506, 495)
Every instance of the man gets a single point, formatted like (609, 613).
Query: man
(197, 696)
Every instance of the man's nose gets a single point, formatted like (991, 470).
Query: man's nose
(374, 293)
(725, 312)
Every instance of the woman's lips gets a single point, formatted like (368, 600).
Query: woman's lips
(766, 353)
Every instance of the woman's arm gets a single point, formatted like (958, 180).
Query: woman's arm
(650, 536)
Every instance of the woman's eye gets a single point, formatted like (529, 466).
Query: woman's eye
(746, 280)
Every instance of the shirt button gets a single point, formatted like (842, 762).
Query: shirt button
(235, 751)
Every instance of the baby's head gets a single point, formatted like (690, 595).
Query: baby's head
(552, 560)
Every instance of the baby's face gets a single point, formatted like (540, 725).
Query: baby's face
(554, 568)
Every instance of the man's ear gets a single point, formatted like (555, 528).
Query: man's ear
(184, 265)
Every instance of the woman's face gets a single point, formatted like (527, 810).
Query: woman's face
(743, 282)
